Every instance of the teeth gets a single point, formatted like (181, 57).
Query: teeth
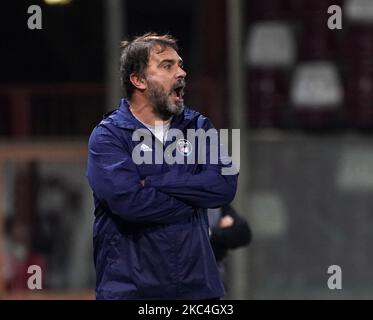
(179, 91)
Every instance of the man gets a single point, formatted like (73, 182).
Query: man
(151, 237)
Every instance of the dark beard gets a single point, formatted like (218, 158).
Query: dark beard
(161, 104)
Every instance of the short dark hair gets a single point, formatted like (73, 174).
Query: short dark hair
(135, 54)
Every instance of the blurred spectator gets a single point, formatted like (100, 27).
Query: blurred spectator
(19, 255)
(228, 230)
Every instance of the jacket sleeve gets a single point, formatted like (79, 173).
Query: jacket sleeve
(115, 181)
(206, 189)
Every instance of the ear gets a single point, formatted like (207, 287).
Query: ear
(138, 81)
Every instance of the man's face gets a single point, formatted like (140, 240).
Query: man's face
(165, 80)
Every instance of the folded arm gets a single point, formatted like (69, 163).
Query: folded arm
(115, 181)
(207, 189)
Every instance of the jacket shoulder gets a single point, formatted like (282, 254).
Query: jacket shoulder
(105, 130)
(201, 121)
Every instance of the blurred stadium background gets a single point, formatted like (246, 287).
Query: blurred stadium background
(301, 94)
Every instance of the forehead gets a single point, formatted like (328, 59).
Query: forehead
(158, 54)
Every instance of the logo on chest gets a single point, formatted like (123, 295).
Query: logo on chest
(184, 147)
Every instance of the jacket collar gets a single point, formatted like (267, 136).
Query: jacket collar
(123, 117)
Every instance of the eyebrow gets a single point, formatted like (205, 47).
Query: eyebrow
(172, 61)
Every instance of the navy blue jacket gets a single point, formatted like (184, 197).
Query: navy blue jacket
(152, 241)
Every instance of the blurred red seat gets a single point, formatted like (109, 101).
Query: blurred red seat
(359, 99)
(316, 96)
(270, 52)
(359, 11)
(267, 96)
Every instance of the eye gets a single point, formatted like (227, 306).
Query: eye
(167, 66)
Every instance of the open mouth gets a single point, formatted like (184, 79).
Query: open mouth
(178, 90)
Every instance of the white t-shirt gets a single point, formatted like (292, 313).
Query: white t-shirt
(159, 130)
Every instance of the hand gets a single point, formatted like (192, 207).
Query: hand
(226, 221)
(142, 182)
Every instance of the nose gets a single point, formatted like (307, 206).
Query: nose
(180, 73)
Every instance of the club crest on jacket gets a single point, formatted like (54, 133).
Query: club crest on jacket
(184, 147)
